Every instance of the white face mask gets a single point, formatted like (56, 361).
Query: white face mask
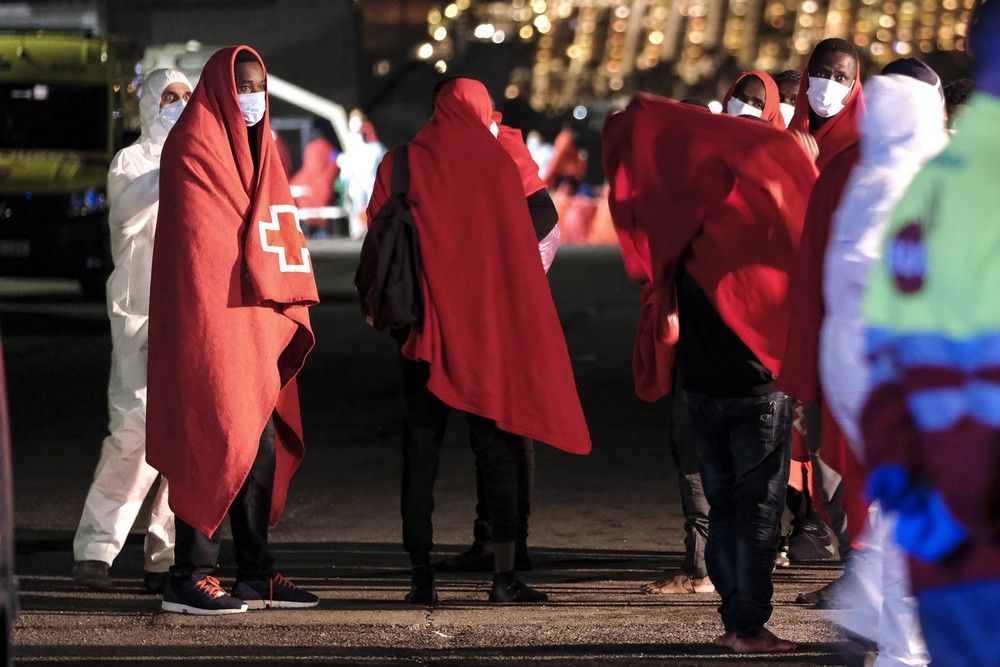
(253, 105)
(735, 107)
(170, 113)
(494, 130)
(826, 96)
(787, 111)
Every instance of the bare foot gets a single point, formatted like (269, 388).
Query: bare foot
(679, 584)
(765, 642)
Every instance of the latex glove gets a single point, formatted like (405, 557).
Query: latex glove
(925, 528)
(889, 484)
(547, 248)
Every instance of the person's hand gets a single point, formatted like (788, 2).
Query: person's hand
(808, 143)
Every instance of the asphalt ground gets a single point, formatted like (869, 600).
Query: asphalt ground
(601, 525)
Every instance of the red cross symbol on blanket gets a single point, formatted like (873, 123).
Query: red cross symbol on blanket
(283, 236)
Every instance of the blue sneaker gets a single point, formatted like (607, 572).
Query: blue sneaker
(277, 592)
(205, 597)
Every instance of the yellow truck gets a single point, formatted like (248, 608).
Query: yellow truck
(67, 104)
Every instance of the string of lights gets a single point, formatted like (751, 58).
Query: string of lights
(585, 50)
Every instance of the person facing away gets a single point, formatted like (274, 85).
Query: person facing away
(930, 424)
(490, 344)
(479, 557)
(755, 95)
(229, 330)
(123, 479)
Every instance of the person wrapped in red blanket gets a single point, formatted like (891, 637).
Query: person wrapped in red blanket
(228, 332)
(755, 94)
(829, 107)
(479, 556)
(491, 344)
(709, 212)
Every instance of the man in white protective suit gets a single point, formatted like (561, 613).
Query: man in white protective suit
(123, 478)
(903, 129)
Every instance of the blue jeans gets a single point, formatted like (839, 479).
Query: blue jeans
(961, 625)
(745, 453)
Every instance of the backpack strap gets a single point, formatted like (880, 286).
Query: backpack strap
(401, 171)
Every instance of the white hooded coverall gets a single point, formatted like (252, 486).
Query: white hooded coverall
(903, 129)
(123, 478)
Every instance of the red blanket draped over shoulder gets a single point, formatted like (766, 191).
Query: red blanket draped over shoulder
(724, 195)
(228, 318)
(491, 333)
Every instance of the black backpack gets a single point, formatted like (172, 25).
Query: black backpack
(388, 276)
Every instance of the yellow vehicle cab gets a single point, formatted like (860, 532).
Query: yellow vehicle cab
(67, 104)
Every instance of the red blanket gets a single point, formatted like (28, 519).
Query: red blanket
(839, 132)
(772, 98)
(491, 334)
(800, 373)
(228, 319)
(721, 194)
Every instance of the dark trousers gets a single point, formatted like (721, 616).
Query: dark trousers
(482, 531)
(424, 422)
(196, 555)
(828, 481)
(694, 505)
(745, 452)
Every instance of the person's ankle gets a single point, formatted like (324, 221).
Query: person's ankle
(420, 559)
(505, 578)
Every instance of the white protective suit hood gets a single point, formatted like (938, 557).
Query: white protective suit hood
(902, 130)
(153, 85)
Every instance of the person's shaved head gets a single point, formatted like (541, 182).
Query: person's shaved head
(835, 59)
(788, 85)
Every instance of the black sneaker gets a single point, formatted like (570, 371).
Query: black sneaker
(277, 592)
(507, 588)
(204, 597)
(422, 588)
(810, 540)
(155, 582)
(94, 574)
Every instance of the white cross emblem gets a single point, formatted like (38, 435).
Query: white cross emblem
(283, 241)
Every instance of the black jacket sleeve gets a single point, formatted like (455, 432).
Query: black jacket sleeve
(543, 213)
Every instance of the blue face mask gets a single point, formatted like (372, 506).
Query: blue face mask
(253, 106)
(170, 113)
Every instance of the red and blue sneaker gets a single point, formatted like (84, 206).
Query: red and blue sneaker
(204, 597)
(275, 592)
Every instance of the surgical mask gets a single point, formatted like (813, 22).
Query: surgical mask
(253, 105)
(494, 130)
(735, 107)
(170, 113)
(826, 96)
(787, 111)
